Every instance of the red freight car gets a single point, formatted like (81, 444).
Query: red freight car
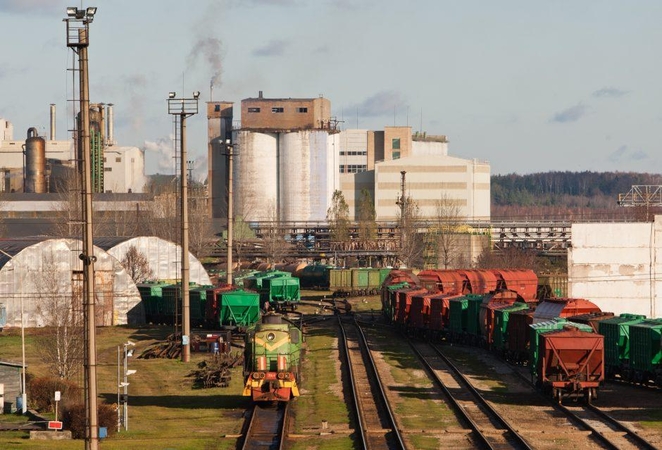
(571, 363)
(403, 297)
(445, 281)
(480, 281)
(551, 308)
(419, 313)
(592, 319)
(522, 281)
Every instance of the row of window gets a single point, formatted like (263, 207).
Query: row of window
(277, 109)
(353, 168)
(354, 153)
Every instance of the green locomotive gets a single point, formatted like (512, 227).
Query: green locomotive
(272, 357)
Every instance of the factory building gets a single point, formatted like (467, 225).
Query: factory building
(284, 159)
(289, 157)
(375, 161)
(42, 165)
(616, 266)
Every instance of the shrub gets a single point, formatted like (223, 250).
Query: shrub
(41, 392)
(73, 418)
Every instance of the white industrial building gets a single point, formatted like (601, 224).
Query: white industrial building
(615, 265)
(124, 170)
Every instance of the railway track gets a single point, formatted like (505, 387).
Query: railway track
(376, 424)
(490, 429)
(610, 432)
(266, 429)
(606, 430)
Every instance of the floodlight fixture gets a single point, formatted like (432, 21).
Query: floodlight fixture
(72, 11)
(130, 372)
(172, 94)
(196, 94)
(91, 11)
(130, 343)
(124, 384)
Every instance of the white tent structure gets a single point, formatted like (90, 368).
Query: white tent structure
(164, 257)
(40, 276)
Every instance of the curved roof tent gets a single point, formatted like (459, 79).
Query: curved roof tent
(41, 271)
(164, 257)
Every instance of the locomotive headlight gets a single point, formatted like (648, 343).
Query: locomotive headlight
(271, 337)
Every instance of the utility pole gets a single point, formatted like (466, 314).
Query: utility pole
(183, 108)
(78, 21)
(230, 149)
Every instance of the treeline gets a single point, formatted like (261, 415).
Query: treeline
(595, 190)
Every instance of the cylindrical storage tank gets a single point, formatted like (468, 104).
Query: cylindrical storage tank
(311, 156)
(35, 163)
(256, 176)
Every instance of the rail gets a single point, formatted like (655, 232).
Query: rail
(266, 429)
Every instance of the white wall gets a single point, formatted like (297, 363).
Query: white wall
(124, 170)
(615, 265)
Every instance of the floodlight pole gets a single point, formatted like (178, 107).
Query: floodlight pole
(184, 107)
(78, 40)
(230, 149)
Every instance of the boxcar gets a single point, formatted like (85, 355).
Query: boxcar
(238, 309)
(646, 352)
(616, 331)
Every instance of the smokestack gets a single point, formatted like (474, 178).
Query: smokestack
(259, 94)
(111, 126)
(52, 121)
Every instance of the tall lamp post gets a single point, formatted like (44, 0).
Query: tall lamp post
(184, 107)
(78, 27)
(230, 149)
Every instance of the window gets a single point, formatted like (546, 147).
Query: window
(395, 143)
(253, 110)
(277, 109)
(396, 155)
(118, 159)
(302, 110)
(217, 108)
(107, 169)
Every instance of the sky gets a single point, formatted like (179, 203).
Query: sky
(529, 86)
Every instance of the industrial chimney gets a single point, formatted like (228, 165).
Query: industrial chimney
(52, 121)
(111, 126)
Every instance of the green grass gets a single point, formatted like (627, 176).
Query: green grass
(164, 409)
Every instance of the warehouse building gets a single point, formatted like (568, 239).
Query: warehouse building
(616, 266)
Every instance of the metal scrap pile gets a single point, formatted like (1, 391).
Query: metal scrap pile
(215, 372)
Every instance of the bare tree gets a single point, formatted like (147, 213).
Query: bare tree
(137, 265)
(273, 238)
(60, 309)
(411, 241)
(367, 225)
(200, 228)
(338, 217)
(242, 237)
(444, 233)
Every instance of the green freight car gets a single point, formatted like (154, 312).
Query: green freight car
(646, 352)
(238, 309)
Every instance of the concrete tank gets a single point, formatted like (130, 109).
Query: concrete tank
(35, 163)
(308, 174)
(256, 176)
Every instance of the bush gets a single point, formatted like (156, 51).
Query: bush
(41, 393)
(73, 418)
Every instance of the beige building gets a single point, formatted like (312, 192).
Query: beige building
(375, 160)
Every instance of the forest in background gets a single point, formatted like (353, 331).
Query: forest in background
(568, 195)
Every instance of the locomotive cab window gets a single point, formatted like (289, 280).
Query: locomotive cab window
(294, 336)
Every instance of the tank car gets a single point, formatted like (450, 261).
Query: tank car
(272, 358)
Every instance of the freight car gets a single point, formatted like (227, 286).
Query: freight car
(497, 309)
(272, 357)
(279, 289)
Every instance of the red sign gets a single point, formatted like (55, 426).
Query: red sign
(54, 425)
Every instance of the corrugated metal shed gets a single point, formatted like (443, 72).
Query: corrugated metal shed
(164, 257)
(36, 271)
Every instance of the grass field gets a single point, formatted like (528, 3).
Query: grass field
(166, 412)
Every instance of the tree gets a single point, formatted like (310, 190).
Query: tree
(273, 238)
(444, 231)
(367, 225)
(338, 217)
(62, 345)
(411, 241)
(137, 265)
